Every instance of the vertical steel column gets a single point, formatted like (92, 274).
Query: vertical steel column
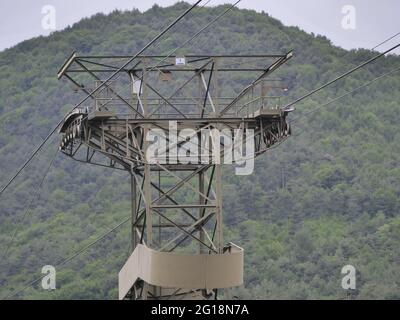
(216, 86)
(147, 194)
(134, 241)
(146, 173)
(200, 93)
(218, 169)
(218, 213)
(201, 211)
(159, 242)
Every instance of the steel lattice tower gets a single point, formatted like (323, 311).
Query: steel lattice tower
(178, 249)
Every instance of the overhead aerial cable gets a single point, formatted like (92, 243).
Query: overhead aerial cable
(77, 253)
(383, 42)
(28, 209)
(97, 89)
(346, 94)
(340, 77)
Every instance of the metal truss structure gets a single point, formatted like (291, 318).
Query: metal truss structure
(178, 249)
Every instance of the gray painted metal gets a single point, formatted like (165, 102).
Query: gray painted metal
(110, 132)
(174, 270)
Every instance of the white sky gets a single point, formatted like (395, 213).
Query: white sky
(375, 20)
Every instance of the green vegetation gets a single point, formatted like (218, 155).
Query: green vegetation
(338, 203)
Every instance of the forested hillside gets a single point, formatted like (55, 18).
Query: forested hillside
(327, 197)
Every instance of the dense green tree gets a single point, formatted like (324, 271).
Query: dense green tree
(337, 204)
